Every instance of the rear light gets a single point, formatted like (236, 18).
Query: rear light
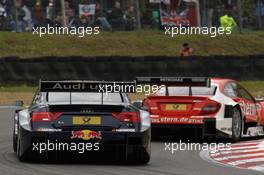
(210, 108)
(127, 117)
(45, 116)
(153, 108)
(154, 116)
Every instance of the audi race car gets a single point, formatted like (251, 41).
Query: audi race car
(74, 118)
(208, 107)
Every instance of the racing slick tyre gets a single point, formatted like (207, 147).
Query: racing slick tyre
(138, 156)
(14, 137)
(25, 156)
(236, 125)
(156, 135)
(138, 160)
(21, 157)
(144, 160)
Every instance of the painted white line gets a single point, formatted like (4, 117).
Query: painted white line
(261, 145)
(258, 168)
(240, 162)
(237, 151)
(237, 148)
(245, 155)
(240, 156)
(246, 144)
(7, 107)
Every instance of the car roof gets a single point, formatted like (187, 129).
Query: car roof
(221, 79)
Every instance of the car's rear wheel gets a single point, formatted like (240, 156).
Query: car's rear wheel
(14, 143)
(156, 135)
(137, 156)
(138, 160)
(20, 156)
(15, 137)
(23, 155)
(236, 125)
(144, 160)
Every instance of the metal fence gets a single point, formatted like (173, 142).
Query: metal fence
(22, 15)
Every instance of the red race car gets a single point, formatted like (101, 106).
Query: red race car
(212, 107)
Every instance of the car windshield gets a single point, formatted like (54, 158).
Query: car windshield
(185, 91)
(83, 98)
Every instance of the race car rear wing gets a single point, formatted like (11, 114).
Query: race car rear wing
(87, 86)
(120, 86)
(176, 81)
(78, 86)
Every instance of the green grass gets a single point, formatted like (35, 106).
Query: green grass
(255, 87)
(139, 43)
(19, 88)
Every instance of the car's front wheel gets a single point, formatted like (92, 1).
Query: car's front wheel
(236, 125)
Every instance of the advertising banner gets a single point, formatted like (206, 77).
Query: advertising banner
(87, 10)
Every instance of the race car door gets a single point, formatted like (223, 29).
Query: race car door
(247, 103)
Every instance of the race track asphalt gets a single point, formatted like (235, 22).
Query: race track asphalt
(162, 162)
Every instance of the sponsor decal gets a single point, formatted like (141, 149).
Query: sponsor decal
(255, 131)
(248, 108)
(177, 120)
(226, 129)
(76, 86)
(49, 130)
(124, 130)
(86, 135)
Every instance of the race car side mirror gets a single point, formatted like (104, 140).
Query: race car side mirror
(19, 103)
(137, 104)
(259, 99)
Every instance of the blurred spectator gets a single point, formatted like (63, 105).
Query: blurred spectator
(85, 21)
(130, 18)
(38, 14)
(116, 17)
(186, 50)
(117, 11)
(27, 18)
(50, 13)
(19, 25)
(2, 11)
(3, 16)
(173, 6)
(227, 21)
(69, 13)
(100, 18)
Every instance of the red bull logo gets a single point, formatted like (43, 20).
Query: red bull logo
(86, 135)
